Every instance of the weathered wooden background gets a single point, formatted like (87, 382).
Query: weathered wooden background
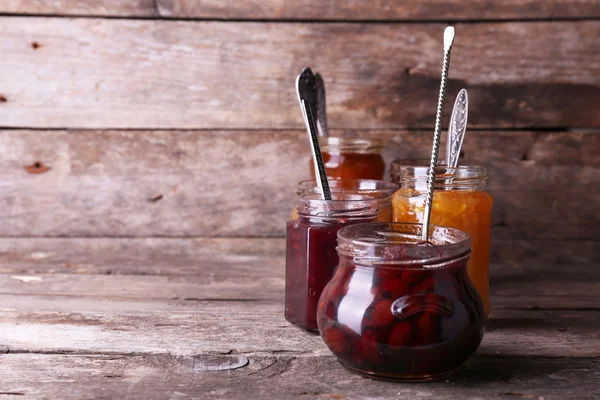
(149, 150)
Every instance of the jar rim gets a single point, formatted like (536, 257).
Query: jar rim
(395, 244)
(420, 167)
(351, 144)
(378, 188)
(463, 177)
(341, 205)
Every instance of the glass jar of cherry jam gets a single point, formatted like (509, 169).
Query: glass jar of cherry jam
(381, 190)
(398, 309)
(351, 158)
(311, 257)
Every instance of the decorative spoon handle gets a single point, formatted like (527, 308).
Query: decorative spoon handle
(448, 40)
(321, 106)
(305, 88)
(457, 128)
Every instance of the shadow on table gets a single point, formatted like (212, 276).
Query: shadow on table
(492, 324)
(485, 369)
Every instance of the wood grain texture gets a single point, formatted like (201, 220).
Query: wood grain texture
(380, 9)
(104, 8)
(179, 257)
(173, 74)
(314, 9)
(31, 376)
(242, 183)
(244, 328)
(537, 274)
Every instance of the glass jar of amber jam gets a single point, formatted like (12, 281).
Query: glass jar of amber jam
(311, 258)
(459, 201)
(381, 190)
(398, 308)
(351, 158)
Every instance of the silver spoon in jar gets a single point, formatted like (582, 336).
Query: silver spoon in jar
(305, 88)
(457, 128)
(448, 40)
(321, 106)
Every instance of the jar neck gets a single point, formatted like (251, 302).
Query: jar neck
(463, 178)
(398, 245)
(342, 207)
(338, 145)
(370, 187)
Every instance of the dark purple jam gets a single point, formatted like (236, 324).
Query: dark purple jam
(311, 260)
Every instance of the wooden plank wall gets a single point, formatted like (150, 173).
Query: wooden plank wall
(177, 118)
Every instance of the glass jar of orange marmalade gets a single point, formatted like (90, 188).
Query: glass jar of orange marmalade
(351, 158)
(380, 190)
(459, 201)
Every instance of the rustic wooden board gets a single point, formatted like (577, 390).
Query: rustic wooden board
(177, 257)
(313, 10)
(32, 376)
(246, 327)
(120, 8)
(172, 257)
(60, 72)
(121, 304)
(242, 183)
(380, 9)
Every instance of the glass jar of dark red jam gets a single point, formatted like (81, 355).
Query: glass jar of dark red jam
(397, 309)
(351, 158)
(311, 257)
(381, 190)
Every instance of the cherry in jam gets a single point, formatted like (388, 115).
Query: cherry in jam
(401, 311)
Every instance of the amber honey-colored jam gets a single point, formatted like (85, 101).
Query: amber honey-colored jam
(352, 165)
(469, 211)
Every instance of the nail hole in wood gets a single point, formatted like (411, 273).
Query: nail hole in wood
(37, 167)
(156, 198)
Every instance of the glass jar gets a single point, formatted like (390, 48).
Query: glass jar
(311, 258)
(398, 309)
(459, 201)
(381, 190)
(351, 158)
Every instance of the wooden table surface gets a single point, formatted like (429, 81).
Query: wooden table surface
(203, 318)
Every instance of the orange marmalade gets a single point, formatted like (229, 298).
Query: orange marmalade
(459, 202)
(351, 158)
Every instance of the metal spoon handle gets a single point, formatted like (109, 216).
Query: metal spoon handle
(321, 174)
(321, 106)
(448, 39)
(457, 128)
(307, 97)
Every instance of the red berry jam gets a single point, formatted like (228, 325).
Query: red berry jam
(397, 309)
(311, 258)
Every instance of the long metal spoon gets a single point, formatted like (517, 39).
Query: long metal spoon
(448, 40)
(457, 128)
(305, 84)
(321, 106)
